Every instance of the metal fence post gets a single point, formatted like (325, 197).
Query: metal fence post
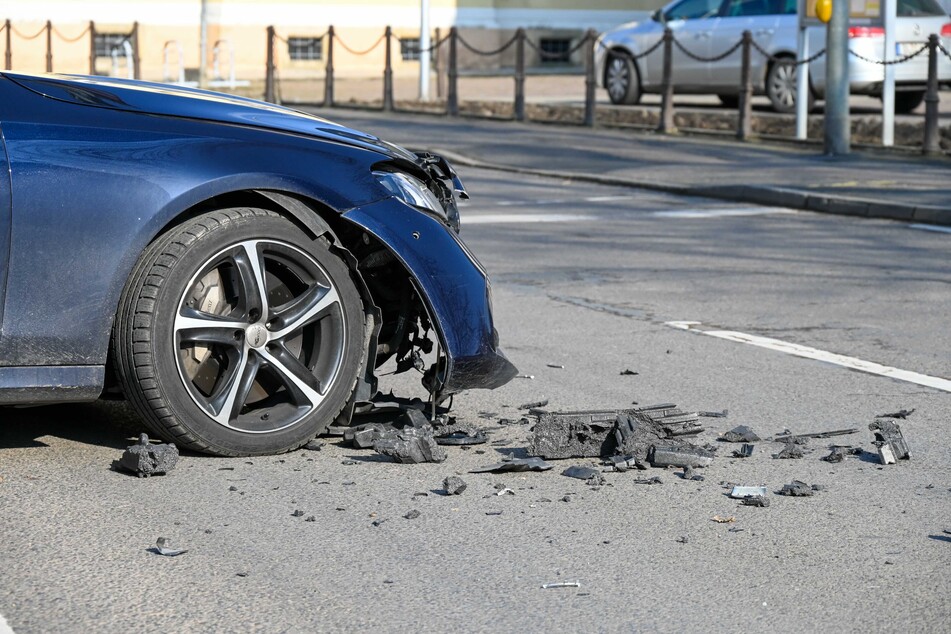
(136, 61)
(329, 77)
(8, 56)
(744, 120)
(666, 123)
(269, 93)
(437, 63)
(49, 46)
(931, 144)
(589, 82)
(92, 47)
(520, 75)
(452, 94)
(388, 72)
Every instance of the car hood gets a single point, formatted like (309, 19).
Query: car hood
(175, 101)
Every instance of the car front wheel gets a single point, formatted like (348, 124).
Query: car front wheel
(238, 334)
(781, 88)
(621, 80)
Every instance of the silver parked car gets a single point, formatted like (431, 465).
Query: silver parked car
(708, 28)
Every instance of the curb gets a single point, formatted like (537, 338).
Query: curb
(756, 194)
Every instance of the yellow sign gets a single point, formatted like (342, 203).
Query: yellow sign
(860, 11)
(823, 10)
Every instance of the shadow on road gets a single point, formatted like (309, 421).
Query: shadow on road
(105, 424)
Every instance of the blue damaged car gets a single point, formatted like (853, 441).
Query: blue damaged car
(235, 269)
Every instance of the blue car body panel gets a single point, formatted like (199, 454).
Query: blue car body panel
(98, 168)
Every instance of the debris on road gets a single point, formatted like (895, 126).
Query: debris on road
(624, 463)
(516, 464)
(742, 433)
(629, 373)
(683, 539)
(297, 513)
(719, 519)
(448, 431)
(454, 485)
(412, 515)
(756, 500)
(890, 442)
(791, 451)
(163, 546)
(589, 474)
(314, 445)
(722, 414)
(561, 584)
(745, 451)
(145, 459)
(839, 453)
(502, 490)
(525, 376)
(788, 436)
(797, 488)
(534, 404)
(557, 366)
(680, 456)
(493, 512)
(411, 445)
(649, 481)
(901, 414)
(741, 492)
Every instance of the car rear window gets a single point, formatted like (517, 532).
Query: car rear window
(909, 8)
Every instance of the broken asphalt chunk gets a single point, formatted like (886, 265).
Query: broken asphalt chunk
(588, 474)
(890, 442)
(517, 464)
(788, 436)
(791, 451)
(629, 373)
(163, 546)
(722, 414)
(797, 488)
(412, 515)
(654, 480)
(901, 414)
(745, 451)
(679, 456)
(411, 445)
(742, 433)
(534, 404)
(145, 459)
(838, 453)
(756, 500)
(624, 463)
(454, 485)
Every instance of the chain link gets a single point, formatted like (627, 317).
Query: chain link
(14, 30)
(358, 53)
(70, 40)
(785, 61)
(945, 51)
(890, 62)
(715, 58)
(415, 49)
(486, 53)
(621, 53)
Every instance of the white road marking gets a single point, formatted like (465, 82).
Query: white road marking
(4, 626)
(819, 355)
(721, 212)
(487, 219)
(936, 228)
(606, 199)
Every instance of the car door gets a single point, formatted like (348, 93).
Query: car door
(691, 22)
(759, 17)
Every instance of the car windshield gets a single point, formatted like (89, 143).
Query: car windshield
(693, 10)
(910, 8)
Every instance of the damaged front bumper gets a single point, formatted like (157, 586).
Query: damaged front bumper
(454, 287)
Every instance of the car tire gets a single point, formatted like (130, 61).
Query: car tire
(621, 79)
(215, 365)
(781, 88)
(907, 101)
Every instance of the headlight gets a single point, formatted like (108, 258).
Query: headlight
(411, 191)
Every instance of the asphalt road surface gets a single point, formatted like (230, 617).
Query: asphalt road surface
(598, 280)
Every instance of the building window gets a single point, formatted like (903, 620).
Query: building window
(105, 42)
(305, 48)
(555, 50)
(409, 49)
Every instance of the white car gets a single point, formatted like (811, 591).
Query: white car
(708, 28)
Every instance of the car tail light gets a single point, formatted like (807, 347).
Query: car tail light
(946, 30)
(866, 31)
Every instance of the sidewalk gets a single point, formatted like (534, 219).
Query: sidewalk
(896, 186)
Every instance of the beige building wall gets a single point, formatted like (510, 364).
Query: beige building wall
(166, 27)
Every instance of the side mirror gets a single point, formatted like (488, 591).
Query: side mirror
(658, 16)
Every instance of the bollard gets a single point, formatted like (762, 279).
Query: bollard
(329, 78)
(452, 96)
(589, 82)
(8, 56)
(666, 124)
(520, 75)
(136, 62)
(269, 93)
(931, 144)
(49, 46)
(388, 72)
(744, 120)
(92, 47)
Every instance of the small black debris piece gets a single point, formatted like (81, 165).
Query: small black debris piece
(412, 515)
(890, 442)
(722, 414)
(629, 373)
(818, 487)
(454, 485)
(582, 473)
(145, 459)
(756, 500)
(742, 433)
(796, 488)
(838, 453)
(688, 474)
(411, 445)
(791, 451)
(557, 366)
(379, 521)
(297, 513)
(788, 436)
(493, 512)
(448, 431)
(624, 463)
(534, 404)
(680, 456)
(901, 414)
(654, 480)
(510, 421)
(314, 445)
(163, 546)
(310, 518)
(683, 539)
(745, 451)
(232, 488)
(349, 462)
(516, 464)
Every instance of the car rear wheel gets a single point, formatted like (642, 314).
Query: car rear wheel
(238, 334)
(781, 88)
(621, 79)
(907, 101)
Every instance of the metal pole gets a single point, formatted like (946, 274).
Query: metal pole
(388, 72)
(837, 130)
(666, 123)
(269, 93)
(437, 64)
(136, 62)
(520, 74)
(203, 47)
(744, 120)
(452, 98)
(92, 47)
(931, 143)
(802, 87)
(8, 56)
(888, 88)
(424, 51)
(49, 46)
(589, 82)
(329, 80)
